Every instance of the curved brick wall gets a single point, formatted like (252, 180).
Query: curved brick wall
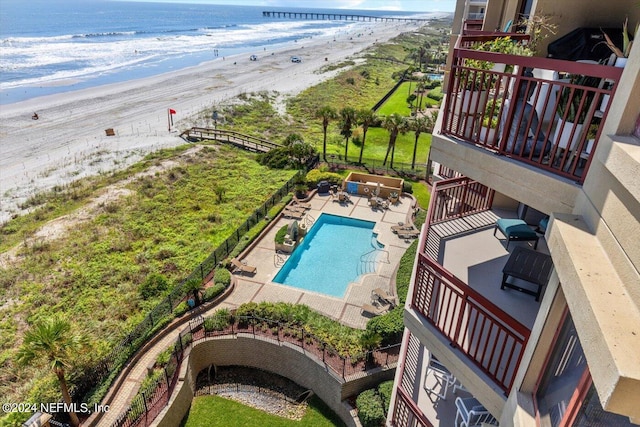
(279, 358)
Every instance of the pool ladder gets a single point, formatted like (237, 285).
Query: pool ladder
(369, 261)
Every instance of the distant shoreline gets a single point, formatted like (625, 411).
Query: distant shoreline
(68, 141)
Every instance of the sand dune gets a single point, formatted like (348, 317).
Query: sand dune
(69, 141)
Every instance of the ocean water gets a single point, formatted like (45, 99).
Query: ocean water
(54, 46)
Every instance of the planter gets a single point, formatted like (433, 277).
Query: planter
(468, 104)
(562, 134)
(487, 135)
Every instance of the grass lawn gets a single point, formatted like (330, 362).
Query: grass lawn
(215, 411)
(377, 141)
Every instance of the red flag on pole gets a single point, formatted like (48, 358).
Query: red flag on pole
(172, 111)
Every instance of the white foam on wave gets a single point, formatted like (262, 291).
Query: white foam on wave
(64, 57)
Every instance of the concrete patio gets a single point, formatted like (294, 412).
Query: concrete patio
(347, 310)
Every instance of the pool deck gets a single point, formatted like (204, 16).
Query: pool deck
(347, 310)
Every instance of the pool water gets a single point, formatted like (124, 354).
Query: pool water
(334, 253)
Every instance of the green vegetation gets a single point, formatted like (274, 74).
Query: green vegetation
(109, 271)
(370, 408)
(346, 341)
(373, 405)
(215, 411)
(282, 232)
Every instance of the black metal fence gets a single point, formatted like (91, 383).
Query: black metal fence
(150, 400)
(109, 367)
(376, 166)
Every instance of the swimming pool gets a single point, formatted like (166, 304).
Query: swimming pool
(335, 251)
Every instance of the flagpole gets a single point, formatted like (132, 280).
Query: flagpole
(169, 119)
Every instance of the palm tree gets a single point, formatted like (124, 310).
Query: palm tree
(348, 119)
(52, 338)
(327, 114)
(419, 125)
(196, 287)
(395, 124)
(366, 118)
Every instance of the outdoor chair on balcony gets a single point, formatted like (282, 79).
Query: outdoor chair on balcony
(472, 413)
(516, 230)
(523, 137)
(443, 378)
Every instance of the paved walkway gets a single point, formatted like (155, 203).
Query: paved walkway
(259, 287)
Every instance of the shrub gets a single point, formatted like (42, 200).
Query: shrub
(280, 234)
(370, 409)
(389, 327)
(154, 284)
(277, 158)
(222, 276)
(407, 187)
(181, 309)
(163, 358)
(315, 176)
(220, 320)
(214, 291)
(385, 390)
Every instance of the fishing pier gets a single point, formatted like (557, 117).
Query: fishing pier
(337, 17)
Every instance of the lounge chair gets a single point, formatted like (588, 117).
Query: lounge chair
(408, 234)
(384, 296)
(295, 208)
(404, 227)
(288, 213)
(376, 311)
(242, 267)
(302, 205)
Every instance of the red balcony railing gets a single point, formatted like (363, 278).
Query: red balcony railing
(558, 126)
(488, 336)
(406, 412)
(457, 197)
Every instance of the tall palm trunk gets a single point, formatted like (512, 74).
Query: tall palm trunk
(346, 148)
(324, 144)
(364, 137)
(390, 148)
(415, 149)
(75, 422)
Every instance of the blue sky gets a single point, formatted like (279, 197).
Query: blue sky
(401, 5)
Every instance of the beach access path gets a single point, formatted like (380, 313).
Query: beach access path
(69, 141)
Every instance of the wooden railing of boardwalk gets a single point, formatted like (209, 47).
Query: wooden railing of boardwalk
(247, 142)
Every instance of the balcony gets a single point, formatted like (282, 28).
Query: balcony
(457, 309)
(559, 130)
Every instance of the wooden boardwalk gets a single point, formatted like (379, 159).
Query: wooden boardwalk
(247, 142)
(336, 16)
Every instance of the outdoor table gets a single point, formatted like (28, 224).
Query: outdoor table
(530, 266)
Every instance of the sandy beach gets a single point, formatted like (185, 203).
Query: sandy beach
(69, 141)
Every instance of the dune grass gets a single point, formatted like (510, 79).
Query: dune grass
(166, 222)
(215, 411)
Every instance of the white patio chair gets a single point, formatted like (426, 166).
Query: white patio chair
(444, 378)
(472, 413)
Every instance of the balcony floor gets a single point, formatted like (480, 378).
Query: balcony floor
(476, 257)
(423, 387)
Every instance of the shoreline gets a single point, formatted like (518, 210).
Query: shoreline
(69, 141)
